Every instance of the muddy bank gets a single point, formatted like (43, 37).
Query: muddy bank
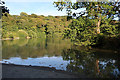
(18, 71)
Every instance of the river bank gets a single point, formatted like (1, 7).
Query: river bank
(19, 71)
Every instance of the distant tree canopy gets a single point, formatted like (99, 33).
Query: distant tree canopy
(23, 14)
(33, 25)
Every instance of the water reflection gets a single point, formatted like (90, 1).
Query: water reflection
(34, 48)
(52, 62)
(92, 63)
(62, 55)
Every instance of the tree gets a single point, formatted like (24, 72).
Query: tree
(98, 11)
(34, 15)
(61, 4)
(3, 8)
(23, 14)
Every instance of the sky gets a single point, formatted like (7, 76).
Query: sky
(40, 8)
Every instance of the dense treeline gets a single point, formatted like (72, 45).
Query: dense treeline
(32, 26)
(95, 25)
(83, 32)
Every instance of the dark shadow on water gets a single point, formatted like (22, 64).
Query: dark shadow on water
(93, 63)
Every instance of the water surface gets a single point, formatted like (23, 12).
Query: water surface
(62, 55)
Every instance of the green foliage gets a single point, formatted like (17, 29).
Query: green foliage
(22, 34)
(33, 15)
(109, 29)
(33, 26)
(82, 31)
(32, 34)
(10, 35)
(23, 14)
(41, 34)
(87, 29)
(61, 4)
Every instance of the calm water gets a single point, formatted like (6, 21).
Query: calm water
(61, 55)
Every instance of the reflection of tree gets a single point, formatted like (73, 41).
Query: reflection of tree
(80, 61)
(89, 63)
(97, 66)
(111, 64)
(33, 48)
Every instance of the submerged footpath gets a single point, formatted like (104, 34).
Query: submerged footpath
(18, 71)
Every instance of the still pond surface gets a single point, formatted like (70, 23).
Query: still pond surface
(62, 55)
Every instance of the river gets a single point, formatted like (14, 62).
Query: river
(62, 55)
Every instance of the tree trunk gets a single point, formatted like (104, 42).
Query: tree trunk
(98, 26)
(97, 66)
